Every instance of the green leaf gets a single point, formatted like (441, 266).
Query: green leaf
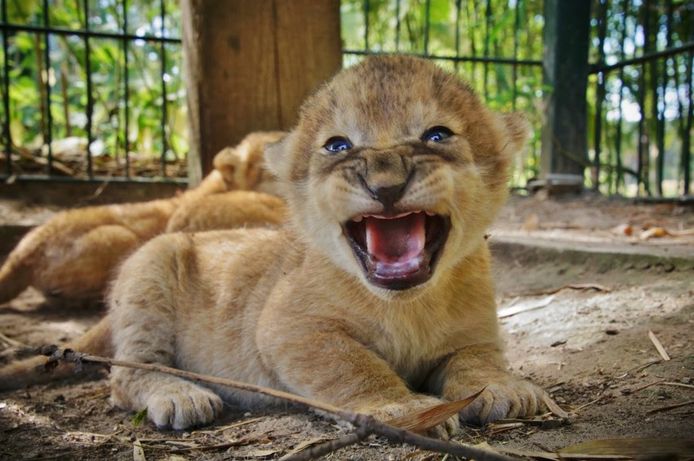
(139, 417)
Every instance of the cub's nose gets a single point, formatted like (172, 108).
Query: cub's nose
(386, 192)
(386, 176)
(387, 195)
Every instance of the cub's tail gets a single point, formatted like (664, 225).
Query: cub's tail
(16, 375)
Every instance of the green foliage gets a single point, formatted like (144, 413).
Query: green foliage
(442, 29)
(139, 418)
(655, 92)
(66, 75)
(462, 29)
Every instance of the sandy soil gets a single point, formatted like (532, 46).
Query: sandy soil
(588, 345)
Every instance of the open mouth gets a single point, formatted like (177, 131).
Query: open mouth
(398, 252)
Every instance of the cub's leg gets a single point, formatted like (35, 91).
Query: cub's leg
(81, 268)
(97, 341)
(144, 330)
(321, 361)
(505, 396)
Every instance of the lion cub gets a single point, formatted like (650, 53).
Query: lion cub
(376, 297)
(74, 254)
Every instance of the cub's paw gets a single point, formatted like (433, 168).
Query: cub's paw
(182, 405)
(389, 412)
(506, 398)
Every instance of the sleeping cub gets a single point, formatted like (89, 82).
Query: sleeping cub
(375, 297)
(73, 256)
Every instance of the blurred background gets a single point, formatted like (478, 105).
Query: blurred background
(95, 89)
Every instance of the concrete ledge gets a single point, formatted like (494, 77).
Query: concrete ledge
(83, 193)
(601, 256)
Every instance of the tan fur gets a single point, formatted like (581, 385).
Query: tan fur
(227, 210)
(74, 254)
(292, 308)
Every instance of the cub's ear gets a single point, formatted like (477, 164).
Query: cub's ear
(277, 157)
(228, 162)
(517, 130)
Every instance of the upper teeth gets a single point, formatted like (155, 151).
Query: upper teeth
(401, 215)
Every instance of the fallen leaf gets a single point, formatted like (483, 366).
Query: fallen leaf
(524, 306)
(642, 448)
(553, 407)
(654, 232)
(623, 229)
(303, 446)
(423, 420)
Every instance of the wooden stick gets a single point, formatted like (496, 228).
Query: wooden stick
(658, 345)
(366, 425)
(671, 407)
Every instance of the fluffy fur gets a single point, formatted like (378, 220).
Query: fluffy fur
(293, 308)
(74, 255)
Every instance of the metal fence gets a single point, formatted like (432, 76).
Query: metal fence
(56, 86)
(642, 92)
(87, 89)
(496, 45)
(640, 101)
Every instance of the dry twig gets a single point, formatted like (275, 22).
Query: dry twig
(10, 342)
(671, 407)
(658, 345)
(366, 425)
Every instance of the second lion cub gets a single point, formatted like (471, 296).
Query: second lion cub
(376, 297)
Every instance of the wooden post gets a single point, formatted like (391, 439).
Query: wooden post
(564, 134)
(250, 64)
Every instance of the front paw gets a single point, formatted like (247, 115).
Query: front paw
(181, 405)
(389, 412)
(507, 397)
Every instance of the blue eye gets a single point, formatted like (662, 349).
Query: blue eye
(436, 134)
(337, 144)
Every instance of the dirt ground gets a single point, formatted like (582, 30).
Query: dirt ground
(580, 284)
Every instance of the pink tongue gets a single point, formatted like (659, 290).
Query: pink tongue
(393, 240)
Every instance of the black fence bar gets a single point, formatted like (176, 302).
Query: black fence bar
(686, 135)
(516, 28)
(100, 179)
(90, 96)
(457, 31)
(164, 143)
(126, 92)
(646, 57)
(487, 22)
(619, 180)
(367, 8)
(85, 33)
(599, 94)
(474, 59)
(427, 24)
(7, 135)
(48, 135)
(397, 25)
